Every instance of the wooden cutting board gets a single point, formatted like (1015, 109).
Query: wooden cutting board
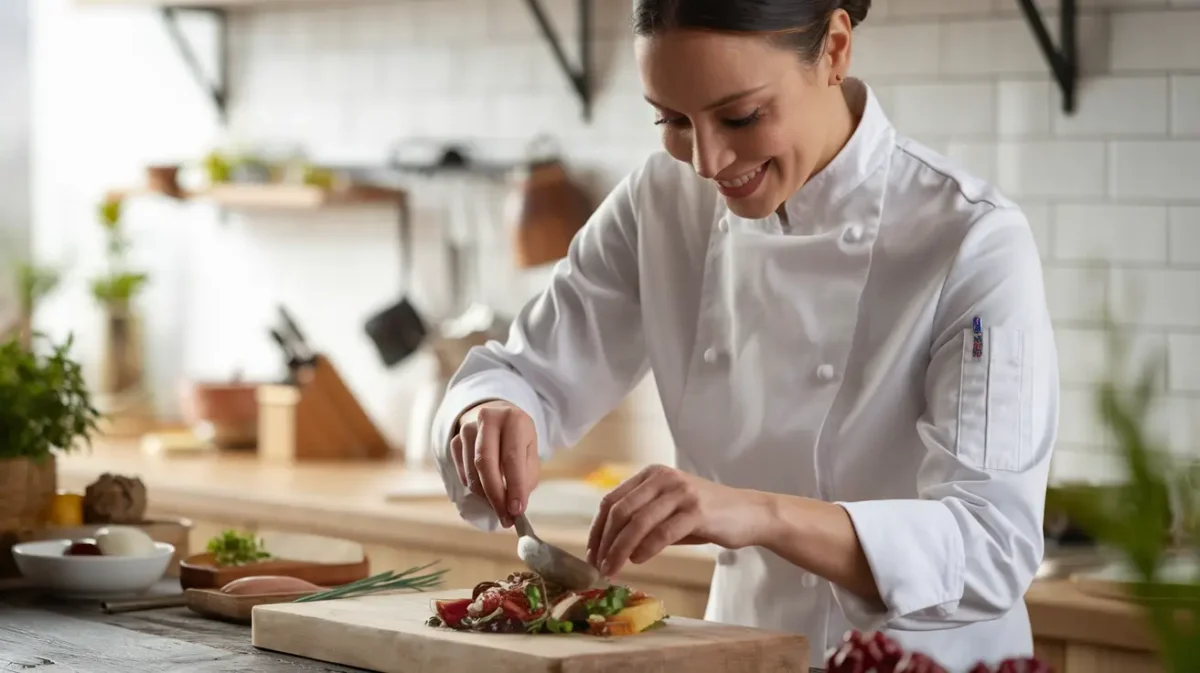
(387, 633)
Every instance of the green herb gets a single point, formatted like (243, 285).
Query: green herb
(534, 596)
(385, 581)
(559, 626)
(609, 603)
(1135, 518)
(231, 548)
(45, 404)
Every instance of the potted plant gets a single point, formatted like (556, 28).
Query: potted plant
(34, 282)
(45, 407)
(1152, 520)
(116, 291)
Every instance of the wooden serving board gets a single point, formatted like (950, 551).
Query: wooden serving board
(388, 634)
(233, 608)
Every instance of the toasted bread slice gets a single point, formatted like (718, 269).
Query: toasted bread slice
(637, 617)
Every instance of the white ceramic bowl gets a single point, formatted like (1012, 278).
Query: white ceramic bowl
(43, 564)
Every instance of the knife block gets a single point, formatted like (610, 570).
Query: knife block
(317, 418)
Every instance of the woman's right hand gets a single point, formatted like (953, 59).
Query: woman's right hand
(496, 454)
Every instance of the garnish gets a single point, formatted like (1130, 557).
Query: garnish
(231, 548)
(385, 581)
(534, 596)
(611, 602)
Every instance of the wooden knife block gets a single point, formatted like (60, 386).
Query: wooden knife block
(318, 418)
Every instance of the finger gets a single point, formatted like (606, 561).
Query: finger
(516, 441)
(643, 523)
(456, 452)
(676, 528)
(623, 512)
(469, 434)
(596, 534)
(487, 460)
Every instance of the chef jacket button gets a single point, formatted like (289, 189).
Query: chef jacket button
(723, 226)
(808, 581)
(825, 372)
(710, 355)
(853, 234)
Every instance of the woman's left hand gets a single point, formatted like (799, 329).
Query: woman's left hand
(661, 506)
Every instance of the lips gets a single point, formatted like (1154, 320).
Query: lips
(743, 185)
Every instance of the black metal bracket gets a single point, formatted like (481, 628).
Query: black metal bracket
(580, 77)
(1063, 60)
(216, 87)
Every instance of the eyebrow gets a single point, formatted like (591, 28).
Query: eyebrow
(724, 100)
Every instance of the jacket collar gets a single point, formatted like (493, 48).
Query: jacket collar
(811, 207)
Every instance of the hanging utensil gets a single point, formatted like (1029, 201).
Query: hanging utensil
(398, 331)
(546, 209)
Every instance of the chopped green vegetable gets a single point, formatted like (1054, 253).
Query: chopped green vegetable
(610, 603)
(559, 626)
(385, 581)
(534, 595)
(231, 548)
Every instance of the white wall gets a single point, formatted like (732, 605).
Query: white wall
(14, 146)
(1117, 183)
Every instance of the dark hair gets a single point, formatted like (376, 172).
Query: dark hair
(796, 24)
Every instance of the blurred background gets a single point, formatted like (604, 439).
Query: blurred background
(259, 154)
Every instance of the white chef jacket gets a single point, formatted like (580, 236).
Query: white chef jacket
(834, 359)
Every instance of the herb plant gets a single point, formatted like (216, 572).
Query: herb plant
(232, 548)
(1137, 522)
(118, 287)
(45, 405)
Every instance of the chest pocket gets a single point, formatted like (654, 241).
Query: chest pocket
(995, 405)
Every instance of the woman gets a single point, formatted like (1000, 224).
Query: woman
(848, 332)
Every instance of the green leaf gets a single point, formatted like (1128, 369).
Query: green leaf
(1135, 518)
(45, 404)
(231, 548)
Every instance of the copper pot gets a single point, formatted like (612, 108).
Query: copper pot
(227, 413)
(164, 180)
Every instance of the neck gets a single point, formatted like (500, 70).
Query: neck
(844, 118)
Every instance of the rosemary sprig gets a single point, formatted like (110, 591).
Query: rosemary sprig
(385, 581)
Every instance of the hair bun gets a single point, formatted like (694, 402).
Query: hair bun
(857, 9)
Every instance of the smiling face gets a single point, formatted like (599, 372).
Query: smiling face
(749, 115)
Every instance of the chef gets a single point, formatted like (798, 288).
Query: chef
(848, 332)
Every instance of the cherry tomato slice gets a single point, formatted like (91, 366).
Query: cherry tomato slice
(452, 612)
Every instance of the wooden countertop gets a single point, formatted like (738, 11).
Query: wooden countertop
(335, 499)
(349, 500)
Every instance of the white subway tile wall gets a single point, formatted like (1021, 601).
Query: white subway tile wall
(1112, 192)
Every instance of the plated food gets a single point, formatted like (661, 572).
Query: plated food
(524, 602)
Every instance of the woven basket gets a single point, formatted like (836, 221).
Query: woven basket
(27, 491)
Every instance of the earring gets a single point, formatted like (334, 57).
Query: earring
(837, 78)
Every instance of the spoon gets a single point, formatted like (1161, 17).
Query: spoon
(553, 563)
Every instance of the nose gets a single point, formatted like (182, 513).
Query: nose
(709, 155)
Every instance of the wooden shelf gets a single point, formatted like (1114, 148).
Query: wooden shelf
(281, 197)
(211, 4)
(580, 74)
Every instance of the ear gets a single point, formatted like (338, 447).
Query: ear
(837, 46)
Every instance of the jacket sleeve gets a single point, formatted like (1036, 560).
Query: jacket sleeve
(572, 353)
(967, 549)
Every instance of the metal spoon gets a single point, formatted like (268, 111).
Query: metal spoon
(553, 563)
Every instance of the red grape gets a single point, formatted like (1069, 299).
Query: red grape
(874, 652)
